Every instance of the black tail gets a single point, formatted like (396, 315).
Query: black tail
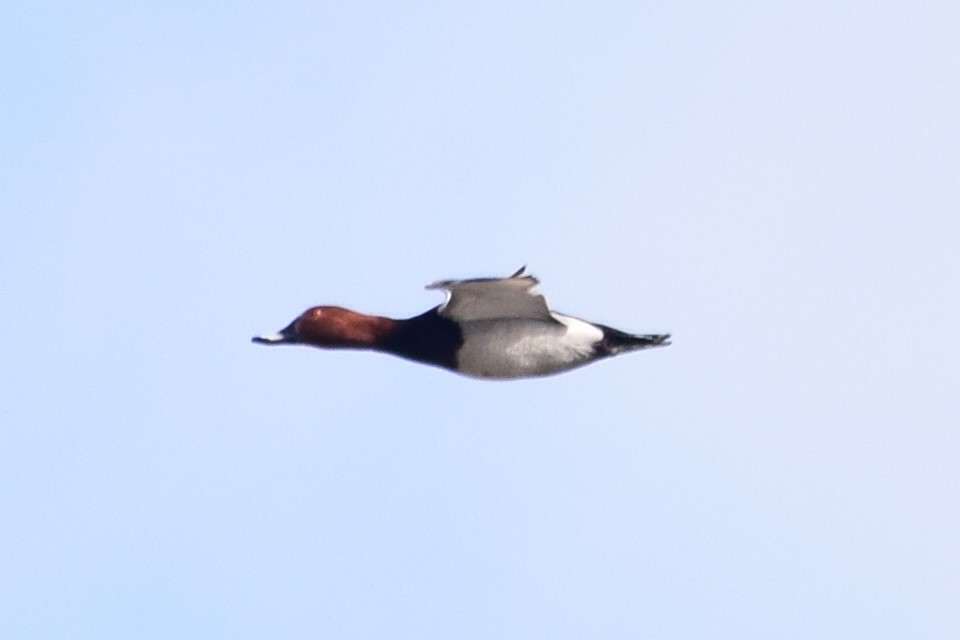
(615, 341)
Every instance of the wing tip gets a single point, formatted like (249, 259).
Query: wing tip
(519, 274)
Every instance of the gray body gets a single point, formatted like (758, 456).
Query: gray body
(520, 348)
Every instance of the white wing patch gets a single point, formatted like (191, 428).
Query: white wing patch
(446, 298)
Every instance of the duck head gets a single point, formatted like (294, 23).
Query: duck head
(332, 328)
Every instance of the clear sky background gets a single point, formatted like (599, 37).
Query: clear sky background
(774, 183)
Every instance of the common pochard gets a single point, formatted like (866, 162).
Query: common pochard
(486, 328)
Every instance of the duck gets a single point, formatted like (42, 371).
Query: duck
(488, 328)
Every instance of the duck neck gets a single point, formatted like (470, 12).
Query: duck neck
(370, 332)
(428, 338)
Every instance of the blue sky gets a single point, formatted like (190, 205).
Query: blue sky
(774, 184)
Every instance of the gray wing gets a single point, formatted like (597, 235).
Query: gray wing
(491, 298)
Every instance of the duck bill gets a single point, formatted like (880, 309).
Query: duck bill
(289, 335)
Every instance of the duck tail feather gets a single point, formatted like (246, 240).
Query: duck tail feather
(615, 341)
